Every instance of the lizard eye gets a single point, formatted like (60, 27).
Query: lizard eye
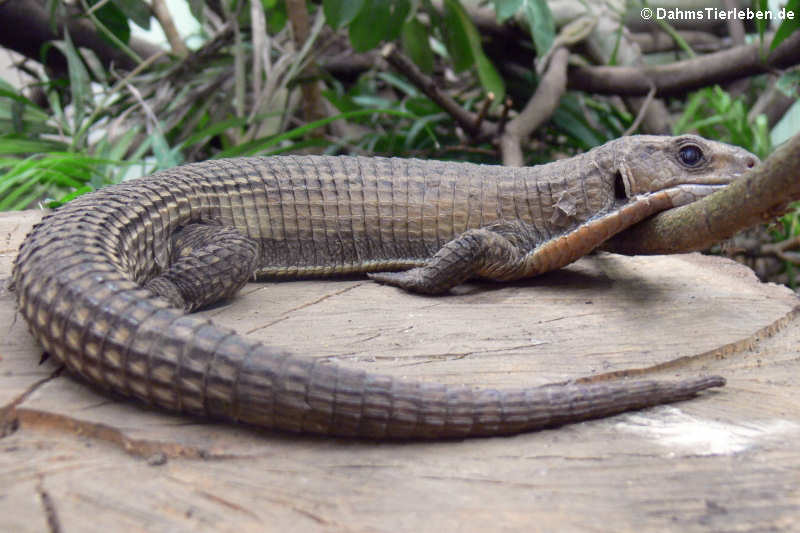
(690, 155)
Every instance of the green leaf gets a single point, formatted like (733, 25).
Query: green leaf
(569, 118)
(457, 24)
(114, 20)
(342, 102)
(417, 45)
(9, 91)
(118, 150)
(9, 145)
(612, 61)
(136, 10)
(166, 157)
(423, 123)
(371, 25)
(20, 115)
(788, 26)
(399, 83)
(421, 106)
(490, 79)
(96, 67)
(377, 20)
(542, 25)
(215, 128)
(78, 79)
(276, 17)
(789, 83)
(505, 9)
(400, 10)
(259, 145)
(761, 24)
(69, 197)
(339, 13)
(196, 9)
(466, 49)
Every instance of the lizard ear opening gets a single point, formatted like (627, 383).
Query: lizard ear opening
(619, 187)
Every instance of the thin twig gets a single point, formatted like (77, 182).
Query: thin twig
(97, 6)
(779, 249)
(110, 35)
(467, 120)
(538, 110)
(162, 14)
(304, 36)
(642, 112)
(501, 124)
(484, 109)
(259, 23)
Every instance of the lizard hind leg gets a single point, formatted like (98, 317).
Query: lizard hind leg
(495, 252)
(207, 263)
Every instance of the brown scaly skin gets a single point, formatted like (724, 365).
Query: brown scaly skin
(103, 282)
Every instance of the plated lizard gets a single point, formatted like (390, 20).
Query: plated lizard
(106, 282)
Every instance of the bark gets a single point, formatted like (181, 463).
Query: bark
(658, 41)
(683, 76)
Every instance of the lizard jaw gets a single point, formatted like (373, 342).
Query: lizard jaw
(690, 192)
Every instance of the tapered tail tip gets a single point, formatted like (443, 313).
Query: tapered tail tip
(709, 382)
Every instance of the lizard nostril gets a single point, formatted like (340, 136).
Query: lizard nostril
(750, 162)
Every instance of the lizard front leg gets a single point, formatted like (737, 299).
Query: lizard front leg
(496, 252)
(508, 250)
(207, 263)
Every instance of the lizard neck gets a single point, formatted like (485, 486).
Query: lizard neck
(609, 159)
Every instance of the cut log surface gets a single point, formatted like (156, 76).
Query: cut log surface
(75, 459)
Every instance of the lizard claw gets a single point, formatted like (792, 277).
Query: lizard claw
(421, 280)
(395, 279)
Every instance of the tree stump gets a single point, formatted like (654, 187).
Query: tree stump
(72, 458)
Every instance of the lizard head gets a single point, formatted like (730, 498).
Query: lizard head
(652, 163)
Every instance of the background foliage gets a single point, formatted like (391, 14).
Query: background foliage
(276, 76)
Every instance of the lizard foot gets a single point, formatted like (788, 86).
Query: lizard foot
(412, 280)
(488, 252)
(208, 263)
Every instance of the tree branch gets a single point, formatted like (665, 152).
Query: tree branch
(161, 12)
(760, 195)
(468, 121)
(538, 109)
(772, 102)
(652, 42)
(682, 76)
(301, 30)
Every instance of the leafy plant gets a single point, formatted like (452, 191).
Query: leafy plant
(371, 22)
(47, 154)
(714, 113)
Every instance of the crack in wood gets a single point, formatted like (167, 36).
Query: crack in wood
(285, 314)
(49, 508)
(226, 503)
(700, 361)
(9, 422)
(420, 359)
(141, 448)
